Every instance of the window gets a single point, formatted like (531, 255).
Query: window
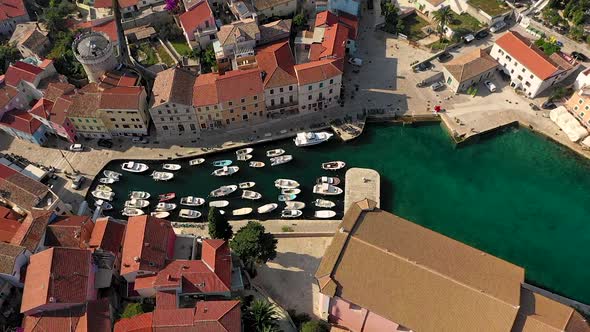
(303, 107)
(165, 127)
(333, 90)
(309, 97)
(587, 108)
(230, 103)
(309, 88)
(168, 111)
(193, 127)
(226, 121)
(245, 117)
(290, 99)
(523, 70)
(214, 107)
(126, 126)
(113, 119)
(159, 112)
(519, 77)
(199, 109)
(272, 102)
(203, 126)
(116, 126)
(272, 91)
(256, 105)
(243, 100)
(255, 97)
(290, 88)
(321, 85)
(207, 108)
(581, 101)
(87, 121)
(508, 58)
(280, 89)
(91, 127)
(175, 111)
(332, 81)
(180, 127)
(282, 100)
(531, 76)
(243, 108)
(527, 84)
(231, 111)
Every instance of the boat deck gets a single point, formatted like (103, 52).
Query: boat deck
(361, 183)
(349, 131)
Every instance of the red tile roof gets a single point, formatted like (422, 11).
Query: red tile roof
(113, 79)
(42, 108)
(327, 18)
(91, 317)
(317, 71)
(207, 316)
(334, 42)
(21, 71)
(8, 228)
(193, 276)
(107, 235)
(146, 244)
(166, 299)
(21, 121)
(59, 275)
(191, 19)
(69, 231)
(109, 3)
(32, 229)
(121, 97)
(11, 9)
(7, 93)
(57, 89)
(276, 61)
(205, 90)
(216, 254)
(109, 28)
(233, 85)
(139, 323)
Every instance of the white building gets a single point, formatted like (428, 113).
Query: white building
(275, 8)
(583, 79)
(319, 84)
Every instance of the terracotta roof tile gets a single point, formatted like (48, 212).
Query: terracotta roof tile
(55, 90)
(114, 78)
(21, 121)
(109, 3)
(327, 18)
(247, 29)
(84, 104)
(275, 31)
(8, 255)
(42, 108)
(32, 229)
(174, 85)
(317, 71)
(218, 316)
(470, 65)
(212, 88)
(8, 228)
(122, 97)
(6, 95)
(109, 28)
(21, 71)
(12, 9)
(276, 61)
(91, 317)
(191, 19)
(69, 231)
(194, 276)
(139, 323)
(107, 235)
(166, 299)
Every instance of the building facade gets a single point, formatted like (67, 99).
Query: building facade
(469, 70)
(275, 8)
(579, 106)
(123, 110)
(319, 84)
(198, 25)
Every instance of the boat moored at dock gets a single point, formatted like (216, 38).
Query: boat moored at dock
(197, 161)
(275, 153)
(137, 203)
(104, 195)
(242, 211)
(294, 205)
(333, 165)
(223, 191)
(192, 201)
(222, 163)
(139, 195)
(244, 157)
(246, 185)
(171, 167)
(256, 164)
(132, 212)
(244, 151)
(107, 180)
(162, 176)
(226, 170)
(166, 197)
(286, 183)
(311, 138)
(326, 189)
(291, 213)
(112, 174)
(163, 206)
(189, 214)
(290, 191)
(329, 180)
(280, 160)
(324, 203)
(266, 208)
(160, 214)
(134, 167)
(218, 204)
(249, 194)
(324, 214)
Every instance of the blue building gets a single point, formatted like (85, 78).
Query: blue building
(352, 7)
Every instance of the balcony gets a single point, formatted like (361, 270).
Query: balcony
(283, 105)
(205, 32)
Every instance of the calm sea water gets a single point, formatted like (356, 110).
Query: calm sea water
(516, 195)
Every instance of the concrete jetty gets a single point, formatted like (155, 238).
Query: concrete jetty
(473, 124)
(361, 183)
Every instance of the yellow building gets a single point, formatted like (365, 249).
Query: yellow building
(124, 111)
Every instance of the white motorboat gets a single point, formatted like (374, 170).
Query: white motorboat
(329, 180)
(111, 174)
(171, 167)
(294, 205)
(160, 214)
(281, 160)
(225, 171)
(104, 195)
(324, 214)
(189, 214)
(197, 161)
(324, 203)
(244, 157)
(256, 164)
(192, 201)
(275, 153)
(246, 185)
(137, 203)
(326, 189)
(267, 208)
(107, 180)
(134, 167)
(333, 165)
(132, 212)
(311, 138)
(249, 194)
(218, 204)
(103, 187)
(106, 206)
(244, 151)
(291, 213)
(289, 197)
(242, 211)
(289, 191)
(162, 206)
(162, 176)
(139, 195)
(286, 183)
(223, 191)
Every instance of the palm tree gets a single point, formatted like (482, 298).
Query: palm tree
(442, 17)
(261, 316)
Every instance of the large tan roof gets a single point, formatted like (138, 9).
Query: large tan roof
(174, 85)
(470, 65)
(238, 31)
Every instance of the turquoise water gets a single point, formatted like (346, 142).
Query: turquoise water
(516, 195)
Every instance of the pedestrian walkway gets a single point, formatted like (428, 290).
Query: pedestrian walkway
(361, 183)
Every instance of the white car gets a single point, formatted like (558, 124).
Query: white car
(491, 86)
(142, 140)
(77, 147)
(356, 62)
(498, 26)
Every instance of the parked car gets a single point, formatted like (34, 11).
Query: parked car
(548, 105)
(355, 61)
(105, 143)
(76, 147)
(424, 66)
(77, 182)
(491, 86)
(445, 56)
(579, 56)
(482, 34)
(141, 140)
(468, 38)
(534, 107)
(498, 26)
(437, 86)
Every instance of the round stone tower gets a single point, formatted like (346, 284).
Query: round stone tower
(95, 52)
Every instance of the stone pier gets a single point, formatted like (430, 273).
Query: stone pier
(362, 183)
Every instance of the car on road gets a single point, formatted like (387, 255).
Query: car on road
(355, 61)
(534, 107)
(76, 147)
(77, 182)
(548, 105)
(141, 140)
(498, 26)
(424, 66)
(579, 56)
(445, 56)
(468, 38)
(482, 34)
(105, 143)
(437, 86)
(491, 86)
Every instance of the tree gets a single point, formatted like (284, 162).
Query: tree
(261, 316)
(315, 326)
(170, 31)
(8, 53)
(219, 227)
(391, 13)
(63, 56)
(442, 16)
(55, 15)
(299, 20)
(253, 245)
(208, 61)
(132, 309)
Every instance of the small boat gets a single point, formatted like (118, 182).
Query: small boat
(244, 151)
(107, 180)
(281, 160)
(286, 183)
(244, 157)
(267, 208)
(160, 214)
(291, 213)
(326, 189)
(324, 214)
(192, 201)
(166, 197)
(218, 204)
(222, 212)
(294, 205)
(256, 164)
(139, 195)
(290, 197)
(103, 187)
(134, 167)
(106, 206)
(111, 174)
(249, 194)
(324, 203)
(289, 191)
(242, 211)
(274, 153)
(329, 180)
(104, 195)
(132, 212)
(333, 165)
(137, 203)
(310, 138)
(162, 176)
(225, 171)
(197, 161)
(223, 191)
(221, 163)
(162, 206)
(171, 167)
(189, 214)
(246, 185)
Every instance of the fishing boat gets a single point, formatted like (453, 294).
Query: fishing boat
(256, 164)
(294, 205)
(134, 167)
(266, 208)
(137, 203)
(281, 160)
(291, 213)
(244, 157)
(189, 214)
(103, 187)
(242, 211)
(329, 180)
(104, 195)
(244, 151)
(275, 153)
(221, 211)
(162, 176)
(221, 163)
(107, 180)
(106, 206)
(246, 185)
(324, 214)
(324, 203)
(192, 201)
(311, 138)
(249, 194)
(333, 165)
(132, 212)
(218, 204)
(290, 197)
(162, 206)
(166, 197)
(326, 189)
(289, 191)
(139, 195)
(160, 214)
(225, 171)
(111, 174)
(197, 161)
(286, 183)
(223, 191)
(171, 167)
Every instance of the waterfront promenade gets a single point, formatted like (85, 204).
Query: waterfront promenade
(361, 183)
